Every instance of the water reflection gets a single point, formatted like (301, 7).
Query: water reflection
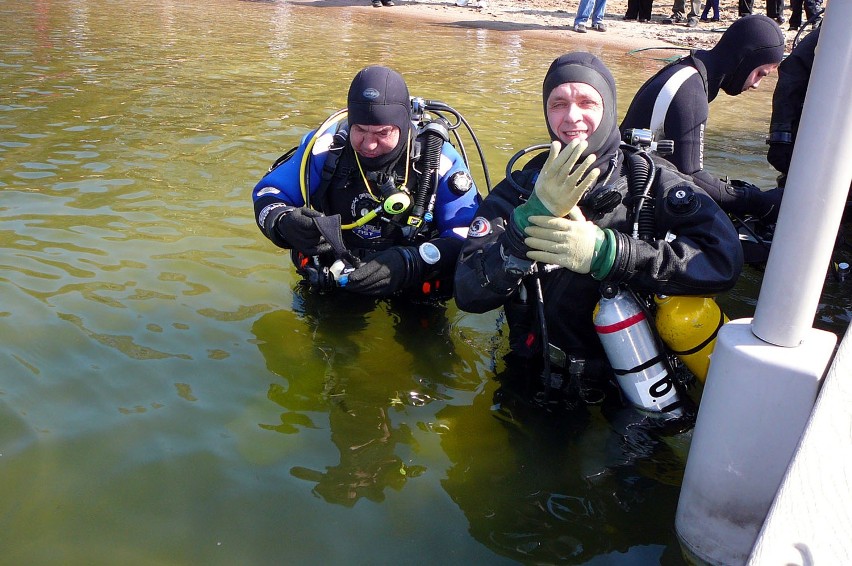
(338, 364)
(570, 502)
(161, 380)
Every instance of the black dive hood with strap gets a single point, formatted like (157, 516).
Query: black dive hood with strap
(750, 42)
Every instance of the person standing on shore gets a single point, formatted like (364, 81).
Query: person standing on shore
(594, 8)
(680, 16)
(811, 8)
(675, 105)
(639, 10)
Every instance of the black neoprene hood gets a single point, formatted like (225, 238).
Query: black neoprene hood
(582, 67)
(378, 96)
(748, 43)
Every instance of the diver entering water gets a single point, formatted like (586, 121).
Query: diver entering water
(547, 237)
(675, 105)
(377, 200)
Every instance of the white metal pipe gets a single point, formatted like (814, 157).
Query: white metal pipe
(817, 185)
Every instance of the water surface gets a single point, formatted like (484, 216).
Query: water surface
(168, 396)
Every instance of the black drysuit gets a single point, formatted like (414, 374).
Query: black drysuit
(702, 257)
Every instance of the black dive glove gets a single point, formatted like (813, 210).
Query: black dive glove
(387, 272)
(749, 199)
(779, 156)
(299, 231)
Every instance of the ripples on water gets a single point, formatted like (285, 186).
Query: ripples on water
(166, 394)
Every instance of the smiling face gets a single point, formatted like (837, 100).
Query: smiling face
(574, 111)
(753, 80)
(373, 141)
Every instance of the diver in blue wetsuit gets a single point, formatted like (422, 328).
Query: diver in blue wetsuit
(376, 201)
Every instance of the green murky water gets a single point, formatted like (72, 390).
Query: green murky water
(165, 395)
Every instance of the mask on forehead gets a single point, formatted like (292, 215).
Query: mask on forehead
(585, 68)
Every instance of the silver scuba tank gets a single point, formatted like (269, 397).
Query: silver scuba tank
(639, 366)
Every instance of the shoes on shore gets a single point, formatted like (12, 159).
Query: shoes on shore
(780, 19)
(377, 3)
(692, 22)
(579, 28)
(600, 26)
(705, 20)
(645, 21)
(628, 19)
(674, 19)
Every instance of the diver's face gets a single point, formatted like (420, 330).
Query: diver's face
(373, 141)
(753, 80)
(574, 111)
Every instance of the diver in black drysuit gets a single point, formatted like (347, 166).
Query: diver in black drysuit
(702, 256)
(788, 102)
(691, 83)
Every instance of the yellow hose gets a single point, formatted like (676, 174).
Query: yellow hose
(332, 120)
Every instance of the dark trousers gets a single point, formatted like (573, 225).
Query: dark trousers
(811, 7)
(775, 9)
(679, 7)
(639, 10)
(745, 7)
(714, 4)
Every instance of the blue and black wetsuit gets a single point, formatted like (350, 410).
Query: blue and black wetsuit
(350, 191)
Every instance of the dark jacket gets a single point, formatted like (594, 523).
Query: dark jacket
(694, 250)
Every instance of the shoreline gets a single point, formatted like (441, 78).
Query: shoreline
(552, 19)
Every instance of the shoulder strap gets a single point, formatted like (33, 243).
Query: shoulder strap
(665, 97)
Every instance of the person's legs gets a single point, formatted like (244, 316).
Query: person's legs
(745, 7)
(598, 14)
(584, 10)
(694, 8)
(645, 8)
(775, 10)
(796, 13)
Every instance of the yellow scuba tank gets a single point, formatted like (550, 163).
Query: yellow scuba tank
(688, 326)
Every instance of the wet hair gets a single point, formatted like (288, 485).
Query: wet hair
(748, 43)
(582, 67)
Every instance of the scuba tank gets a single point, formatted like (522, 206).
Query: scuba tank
(640, 367)
(688, 326)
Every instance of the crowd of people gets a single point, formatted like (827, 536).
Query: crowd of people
(378, 203)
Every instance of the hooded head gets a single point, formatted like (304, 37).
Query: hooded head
(378, 96)
(581, 67)
(748, 43)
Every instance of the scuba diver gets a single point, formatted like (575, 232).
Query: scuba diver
(377, 200)
(675, 105)
(594, 219)
(788, 102)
